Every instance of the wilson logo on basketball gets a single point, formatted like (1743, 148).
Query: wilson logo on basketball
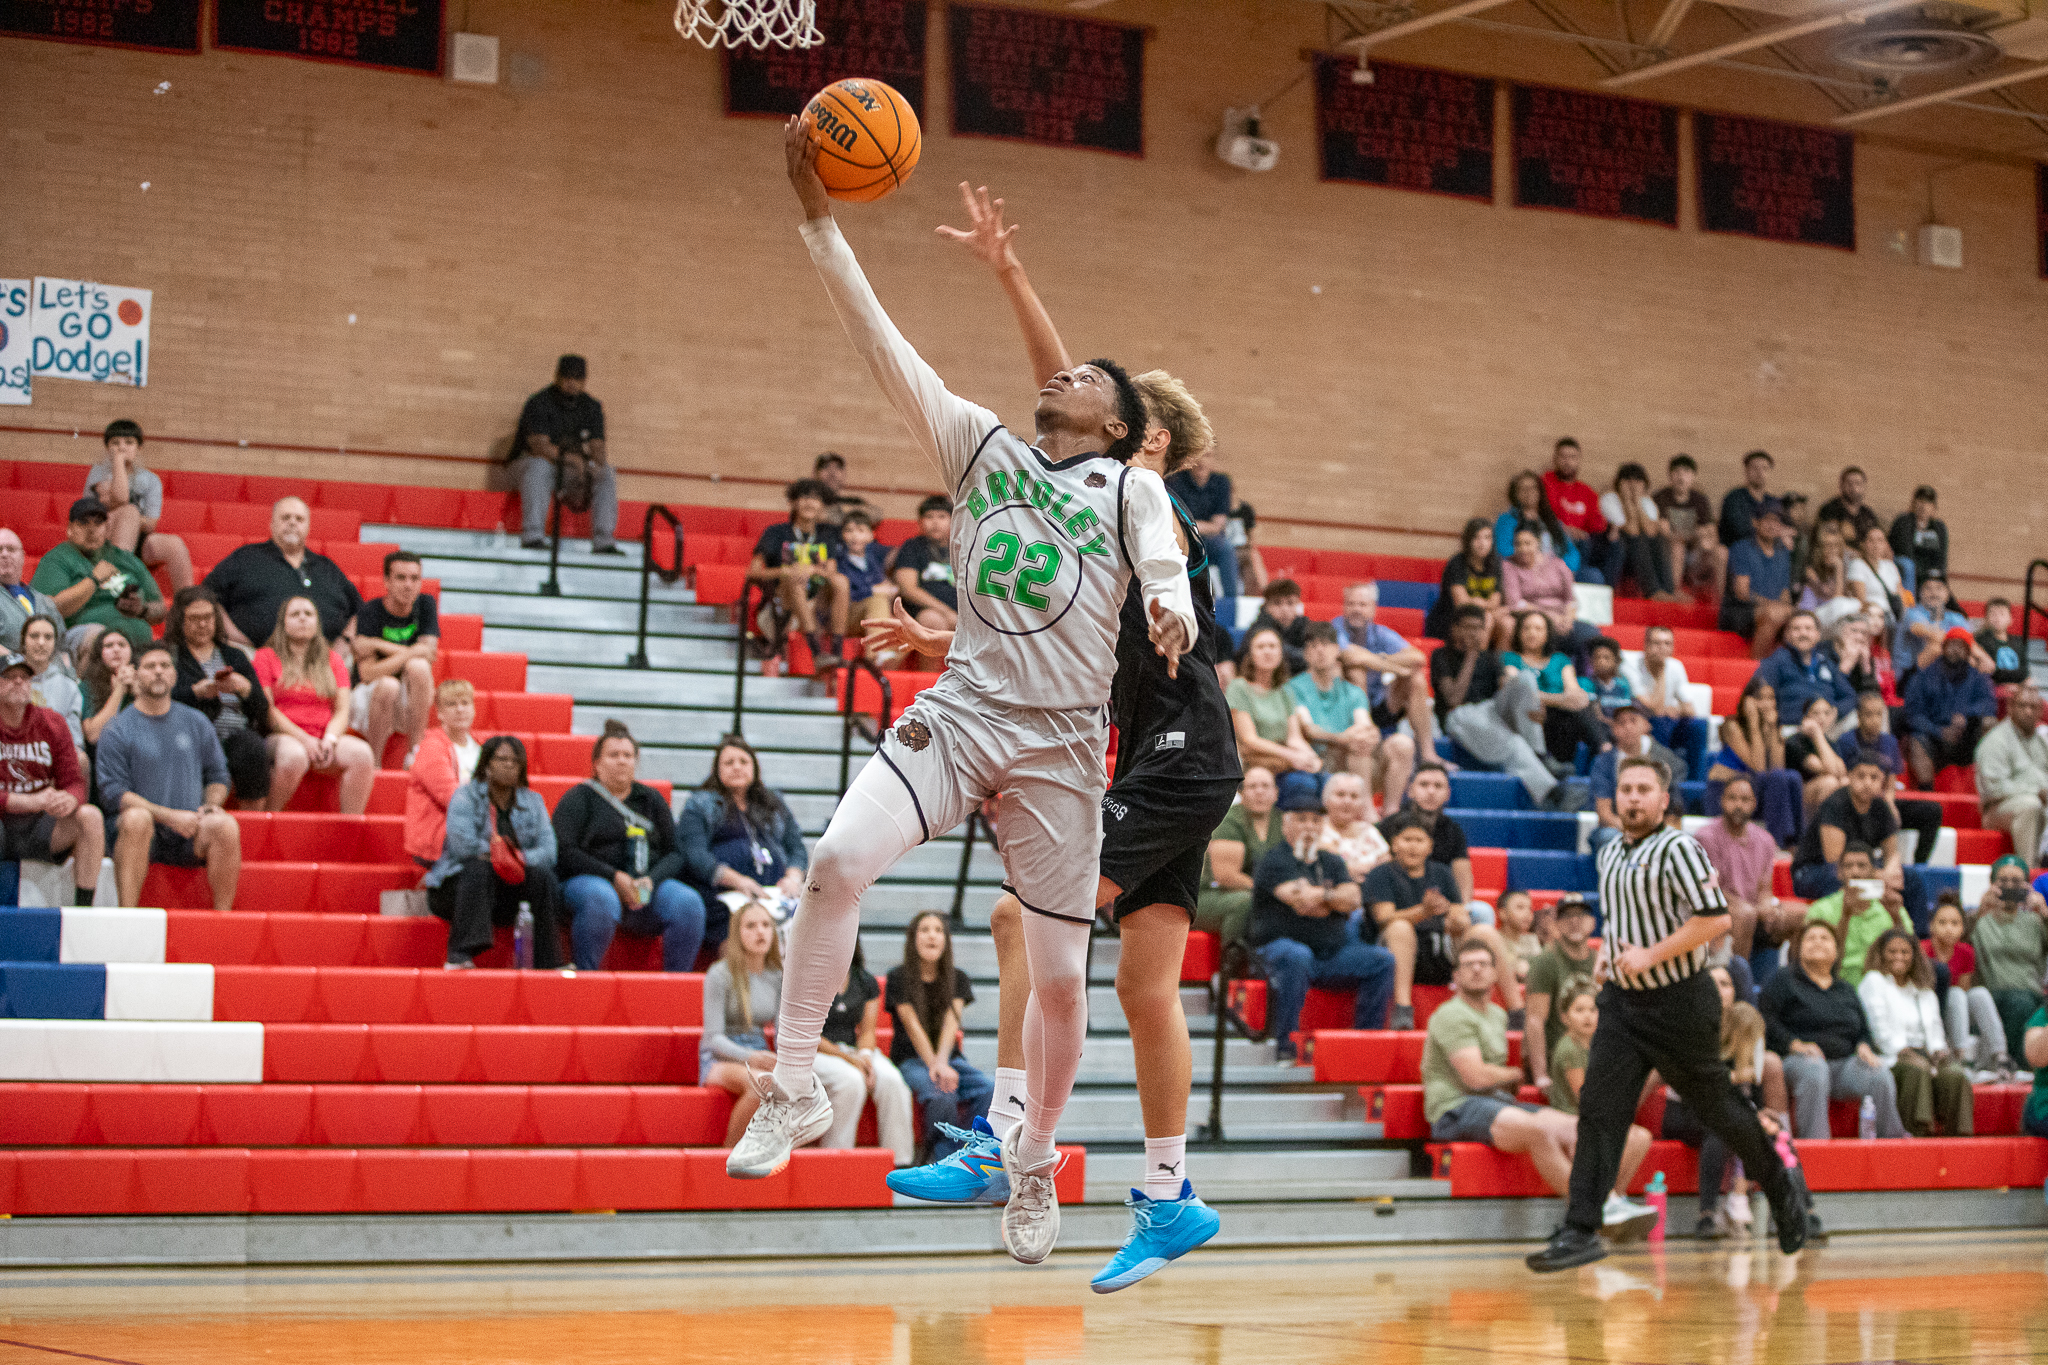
(839, 134)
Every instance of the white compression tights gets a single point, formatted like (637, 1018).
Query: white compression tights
(1055, 1026)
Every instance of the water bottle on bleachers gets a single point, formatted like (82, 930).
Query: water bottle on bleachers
(522, 937)
(1866, 1119)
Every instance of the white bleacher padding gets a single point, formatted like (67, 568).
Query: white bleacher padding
(179, 990)
(1976, 881)
(1588, 822)
(1693, 824)
(51, 885)
(1596, 604)
(129, 1050)
(97, 934)
(1248, 609)
(1944, 846)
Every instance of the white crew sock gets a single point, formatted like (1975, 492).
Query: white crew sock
(1166, 1165)
(1006, 1106)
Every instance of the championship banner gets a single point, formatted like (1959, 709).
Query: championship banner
(1779, 181)
(154, 25)
(1039, 76)
(879, 38)
(14, 342)
(1413, 128)
(83, 330)
(387, 35)
(1595, 154)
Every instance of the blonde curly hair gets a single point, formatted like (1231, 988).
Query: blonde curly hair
(1168, 402)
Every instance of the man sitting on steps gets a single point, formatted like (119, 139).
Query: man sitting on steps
(47, 814)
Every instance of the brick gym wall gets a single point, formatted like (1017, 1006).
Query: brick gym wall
(1370, 357)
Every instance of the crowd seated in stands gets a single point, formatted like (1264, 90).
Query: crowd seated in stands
(1948, 705)
(737, 835)
(1632, 739)
(922, 570)
(2008, 669)
(446, 761)
(1570, 715)
(499, 853)
(1266, 715)
(1249, 829)
(2010, 936)
(1531, 581)
(829, 468)
(220, 682)
(1876, 580)
(1870, 739)
(1969, 1013)
(1334, 715)
(1578, 507)
(1284, 614)
(1751, 747)
(742, 996)
(796, 560)
(106, 678)
(1569, 958)
(1205, 492)
(1348, 828)
(1429, 791)
(1471, 577)
(620, 865)
(1857, 814)
(1919, 537)
(1924, 628)
(1825, 587)
(2012, 774)
(1742, 852)
(850, 1035)
(162, 778)
(134, 499)
(1413, 907)
(98, 586)
(1848, 506)
(1609, 690)
(864, 564)
(1658, 681)
(1516, 920)
(1489, 709)
(47, 813)
(1529, 509)
(1758, 598)
(1898, 997)
(559, 444)
(1759, 1076)
(926, 998)
(306, 682)
(1815, 1022)
(1393, 673)
(397, 639)
(1863, 909)
(1304, 928)
(1636, 524)
(1579, 1012)
(1799, 670)
(1810, 752)
(51, 684)
(19, 601)
(254, 583)
(1698, 559)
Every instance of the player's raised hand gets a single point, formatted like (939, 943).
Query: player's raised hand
(986, 236)
(1169, 638)
(800, 150)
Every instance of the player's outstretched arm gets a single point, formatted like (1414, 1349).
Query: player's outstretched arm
(946, 427)
(988, 238)
(901, 631)
(1161, 568)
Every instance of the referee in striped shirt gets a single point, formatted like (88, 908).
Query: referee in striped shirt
(1659, 1009)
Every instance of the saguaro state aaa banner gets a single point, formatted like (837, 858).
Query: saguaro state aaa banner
(1780, 181)
(1597, 154)
(1039, 76)
(392, 35)
(157, 25)
(1413, 128)
(879, 39)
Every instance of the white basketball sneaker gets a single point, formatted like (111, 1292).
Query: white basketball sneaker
(779, 1127)
(1031, 1220)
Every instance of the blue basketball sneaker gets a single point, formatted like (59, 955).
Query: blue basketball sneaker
(972, 1175)
(1162, 1231)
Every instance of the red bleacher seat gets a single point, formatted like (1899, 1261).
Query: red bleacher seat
(356, 558)
(267, 489)
(246, 521)
(202, 485)
(537, 712)
(489, 672)
(181, 516)
(1957, 779)
(370, 501)
(66, 480)
(1202, 957)
(718, 585)
(1980, 846)
(488, 511)
(1378, 1057)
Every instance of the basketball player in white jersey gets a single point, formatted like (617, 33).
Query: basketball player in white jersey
(1047, 537)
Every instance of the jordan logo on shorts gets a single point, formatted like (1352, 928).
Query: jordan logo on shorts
(914, 735)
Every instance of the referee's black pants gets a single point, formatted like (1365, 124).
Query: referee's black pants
(1676, 1030)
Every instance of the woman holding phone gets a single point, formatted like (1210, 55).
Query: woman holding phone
(2010, 935)
(219, 681)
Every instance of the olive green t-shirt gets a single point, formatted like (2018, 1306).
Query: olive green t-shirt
(1237, 828)
(1547, 975)
(1568, 1053)
(2037, 1098)
(2010, 951)
(1454, 1027)
(65, 564)
(1269, 709)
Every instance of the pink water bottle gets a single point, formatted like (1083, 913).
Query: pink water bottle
(1654, 1196)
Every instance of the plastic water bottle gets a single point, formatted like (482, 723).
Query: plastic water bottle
(1866, 1119)
(522, 937)
(498, 537)
(1654, 1196)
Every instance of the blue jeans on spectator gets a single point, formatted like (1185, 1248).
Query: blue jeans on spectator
(1291, 968)
(969, 1099)
(1815, 880)
(1687, 738)
(1223, 558)
(677, 914)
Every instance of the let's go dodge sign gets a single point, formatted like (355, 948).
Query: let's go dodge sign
(82, 330)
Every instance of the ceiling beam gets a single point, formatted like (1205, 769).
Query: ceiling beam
(1877, 111)
(1761, 38)
(1419, 23)
(1667, 23)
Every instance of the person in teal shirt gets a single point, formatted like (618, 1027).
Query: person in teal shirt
(97, 584)
(1335, 713)
(1570, 714)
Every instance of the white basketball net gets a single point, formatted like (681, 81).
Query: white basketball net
(753, 23)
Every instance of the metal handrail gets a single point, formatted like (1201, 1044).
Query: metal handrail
(865, 665)
(638, 658)
(553, 586)
(2027, 611)
(743, 616)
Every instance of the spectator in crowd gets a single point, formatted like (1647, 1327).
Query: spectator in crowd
(134, 499)
(1468, 1095)
(1923, 629)
(97, 585)
(1698, 559)
(1631, 740)
(1860, 912)
(219, 682)
(1740, 505)
(1968, 1010)
(1429, 791)
(446, 761)
(162, 777)
(1856, 814)
(1569, 959)
(1266, 716)
(1802, 533)
(737, 834)
(618, 861)
(1848, 505)
(1759, 1076)
(1570, 716)
(1515, 916)
(1335, 717)
(796, 557)
(1603, 681)
(1392, 672)
(1471, 577)
(1205, 492)
(922, 569)
(864, 564)
(2008, 669)
(1800, 670)
(1635, 523)
(1814, 1020)
(1579, 1011)
(1860, 650)
(2034, 1116)
(253, 583)
(46, 813)
(1248, 831)
(2012, 774)
(50, 686)
(306, 683)
(1529, 506)
(1533, 581)
(1284, 614)
(2010, 934)
(1874, 577)
(1759, 595)
(1488, 709)
(1742, 852)
(397, 639)
(1826, 588)
(1898, 997)
(498, 854)
(18, 600)
(1752, 748)
(830, 470)
(1252, 574)
(1948, 704)
(1419, 916)
(927, 998)
(1919, 537)
(1578, 507)
(1303, 927)
(1657, 681)
(1348, 828)
(1810, 753)
(107, 678)
(1869, 737)
(849, 1034)
(560, 445)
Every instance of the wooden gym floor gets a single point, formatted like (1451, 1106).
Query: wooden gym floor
(1930, 1299)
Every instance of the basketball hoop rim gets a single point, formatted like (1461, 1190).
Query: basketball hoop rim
(756, 24)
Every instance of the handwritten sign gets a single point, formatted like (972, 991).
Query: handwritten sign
(1034, 76)
(1597, 154)
(156, 25)
(14, 342)
(1413, 128)
(882, 39)
(82, 330)
(391, 35)
(1776, 180)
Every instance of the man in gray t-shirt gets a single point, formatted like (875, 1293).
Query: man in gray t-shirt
(162, 777)
(135, 503)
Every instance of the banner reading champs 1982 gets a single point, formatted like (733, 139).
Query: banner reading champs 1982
(1413, 128)
(1036, 76)
(1597, 154)
(155, 25)
(390, 35)
(882, 39)
(1778, 181)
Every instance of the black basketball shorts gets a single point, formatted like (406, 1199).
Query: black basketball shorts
(1155, 832)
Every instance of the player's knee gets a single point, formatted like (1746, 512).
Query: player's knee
(1638, 1138)
(1007, 915)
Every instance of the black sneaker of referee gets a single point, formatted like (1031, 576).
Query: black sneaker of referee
(1788, 1204)
(1568, 1247)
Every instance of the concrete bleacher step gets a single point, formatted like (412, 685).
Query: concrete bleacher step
(615, 683)
(701, 727)
(664, 618)
(1306, 1116)
(595, 643)
(975, 954)
(1105, 1011)
(1229, 1177)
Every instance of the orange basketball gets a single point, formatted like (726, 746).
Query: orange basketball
(868, 138)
